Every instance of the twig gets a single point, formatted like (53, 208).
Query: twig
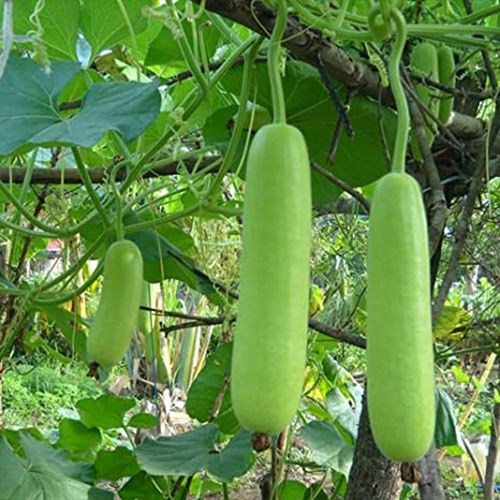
(342, 185)
(462, 227)
(347, 337)
(437, 202)
(338, 128)
(339, 107)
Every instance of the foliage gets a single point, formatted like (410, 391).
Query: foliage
(112, 126)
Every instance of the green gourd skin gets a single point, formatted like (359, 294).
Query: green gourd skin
(400, 370)
(117, 312)
(261, 117)
(424, 62)
(446, 63)
(270, 340)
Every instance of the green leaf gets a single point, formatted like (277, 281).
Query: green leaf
(59, 21)
(70, 326)
(45, 474)
(75, 436)
(340, 409)
(359, 161)
(98, 494)
(14, 437)
(207, 387)
(446, 432)
(142, 421)
(291, 490)
(28, 97)
(188, 453)
(182, 454)
(142, 486)
(28, 106)
(164, 50)
(125, 107)
(115, 464)
(236, 458)
(104, 35)
(315, 492)
(328, 448)
(105, 412)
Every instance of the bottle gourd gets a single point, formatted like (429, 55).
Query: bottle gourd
(447, 76)
(269, 350)
(400, 369)
(424, 62)
(118, 309)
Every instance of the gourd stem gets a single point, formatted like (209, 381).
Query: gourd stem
(399, 155)
(279, 108)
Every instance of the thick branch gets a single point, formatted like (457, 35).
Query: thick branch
(97, 175)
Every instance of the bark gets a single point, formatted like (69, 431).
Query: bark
(372, 476)
(429, 486)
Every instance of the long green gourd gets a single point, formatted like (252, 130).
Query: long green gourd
(400, 376)
(447, 76)
(269, 351)
(424, 62)
(117, 312)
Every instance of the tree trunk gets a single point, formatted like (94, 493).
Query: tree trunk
(372, 476)
(429, 486)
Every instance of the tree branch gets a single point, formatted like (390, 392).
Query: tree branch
(98, 175)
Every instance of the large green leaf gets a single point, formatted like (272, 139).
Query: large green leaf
(106, 412)
(45, 474)
(164, 49)
(28, 106)
(115, 464)
(28, 97)
(358, 161)
(207, 387)
(75, 436)
(340, 409)
(143, 486)
(188, 453)
(104, 24)
(446, 432)
(59, 21)
(328, 448)
(70, 325)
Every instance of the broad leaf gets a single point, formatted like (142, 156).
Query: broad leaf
(291, 490)
(164, 50)
(446, 432)
(142, 421)
(28, 97)
(341, 411)
(142, 486)
(182, 454)
(358, 161)
(75, 436)
(104, 24)
(45, 474)
(28, 106)
(115, 464)
(234, 460)
(70, 326)
(105, 412)
(188, 453)
(208, 386)
(328, 448)
(59, 21)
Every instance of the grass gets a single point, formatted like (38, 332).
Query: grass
(33, 395)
